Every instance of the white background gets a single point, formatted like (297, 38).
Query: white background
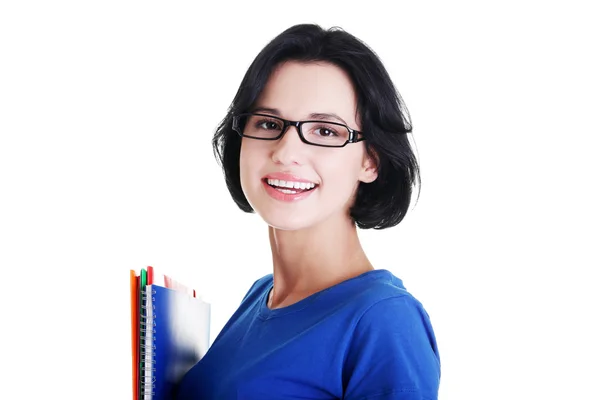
(107, 110)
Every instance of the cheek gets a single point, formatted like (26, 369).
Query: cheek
(251, 161)
(341, 173)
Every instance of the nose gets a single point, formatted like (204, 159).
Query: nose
(289, 149)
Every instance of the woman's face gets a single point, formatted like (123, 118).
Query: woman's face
(294, 92)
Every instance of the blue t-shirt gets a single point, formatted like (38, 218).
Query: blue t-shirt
(364, 338)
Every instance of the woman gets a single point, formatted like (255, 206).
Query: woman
(316, 143)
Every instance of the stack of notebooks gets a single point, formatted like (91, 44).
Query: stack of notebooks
(170, 328)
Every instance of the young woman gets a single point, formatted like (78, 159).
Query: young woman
(315, 142)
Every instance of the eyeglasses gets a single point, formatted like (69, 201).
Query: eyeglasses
(316, 133)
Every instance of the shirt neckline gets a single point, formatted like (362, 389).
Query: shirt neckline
(266, 313)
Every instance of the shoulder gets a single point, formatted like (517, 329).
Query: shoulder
(381, 289)
(390, 309)
(392, 345)
(395, 314)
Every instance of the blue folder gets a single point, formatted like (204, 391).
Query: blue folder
(177, 339)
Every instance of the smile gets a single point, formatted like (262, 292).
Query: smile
(293, 186)
(288, 190)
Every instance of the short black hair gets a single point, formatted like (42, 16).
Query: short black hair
(384, 117)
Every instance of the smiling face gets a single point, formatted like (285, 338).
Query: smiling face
(300, 91)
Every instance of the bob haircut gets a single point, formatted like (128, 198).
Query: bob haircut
(384, 117)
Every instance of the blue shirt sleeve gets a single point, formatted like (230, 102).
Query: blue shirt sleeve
(393, 354)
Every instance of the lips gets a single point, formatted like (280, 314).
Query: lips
(278, 194)
(285, 189)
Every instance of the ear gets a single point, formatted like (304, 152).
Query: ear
(368, 172)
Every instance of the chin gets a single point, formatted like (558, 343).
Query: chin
(286, 222)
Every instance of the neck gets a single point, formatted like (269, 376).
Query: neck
(310, 260)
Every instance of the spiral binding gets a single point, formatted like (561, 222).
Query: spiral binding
(147, 350)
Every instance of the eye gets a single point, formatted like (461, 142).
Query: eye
(325, 132)
(268, 124)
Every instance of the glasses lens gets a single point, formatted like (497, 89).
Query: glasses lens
(260, 127)
(325, 133)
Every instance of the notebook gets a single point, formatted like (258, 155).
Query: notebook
(173, 336)
(134, 282)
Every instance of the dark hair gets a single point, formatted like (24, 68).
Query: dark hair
(385, 120)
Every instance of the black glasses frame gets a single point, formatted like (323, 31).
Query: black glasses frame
(352, 133)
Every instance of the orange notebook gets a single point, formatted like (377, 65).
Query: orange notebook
(134, 282)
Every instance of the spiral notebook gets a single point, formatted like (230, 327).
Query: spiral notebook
(173, 336)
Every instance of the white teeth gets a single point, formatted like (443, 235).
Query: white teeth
(290, 184)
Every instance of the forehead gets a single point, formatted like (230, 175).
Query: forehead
(299, 89)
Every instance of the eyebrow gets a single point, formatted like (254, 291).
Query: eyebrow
(318, 116)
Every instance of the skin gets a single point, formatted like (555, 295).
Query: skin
(314, 243)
